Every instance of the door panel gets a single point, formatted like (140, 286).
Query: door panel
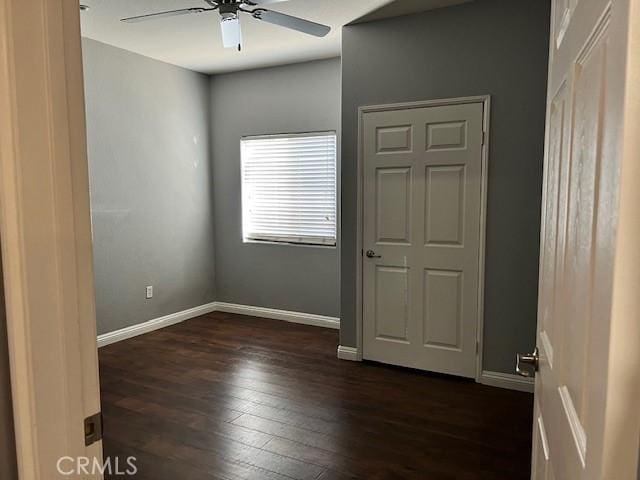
(584, 125)
(444, 205)
(540, 466)
(580, 228)
(393, 206)
(447, 136)
(391, 303)
(442, 309)
(422, 196)
(394, 139)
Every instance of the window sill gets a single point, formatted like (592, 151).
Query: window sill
(289, 244)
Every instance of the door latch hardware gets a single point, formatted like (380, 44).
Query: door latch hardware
(93, 429)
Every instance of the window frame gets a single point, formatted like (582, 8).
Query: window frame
(302, 241)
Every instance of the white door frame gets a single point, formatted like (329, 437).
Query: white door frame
(45, 227)
(485, 100)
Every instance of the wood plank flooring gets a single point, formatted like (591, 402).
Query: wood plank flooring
(229, 397)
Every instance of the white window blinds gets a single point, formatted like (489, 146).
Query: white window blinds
(289, 188)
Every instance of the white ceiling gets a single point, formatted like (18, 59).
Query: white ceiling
(194, 41)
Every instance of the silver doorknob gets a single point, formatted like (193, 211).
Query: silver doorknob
(532, 359)
(372, 254)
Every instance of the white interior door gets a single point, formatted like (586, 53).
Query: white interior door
(581, 430)
(421, 236)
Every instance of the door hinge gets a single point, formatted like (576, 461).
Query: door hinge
(477, 346)
(93, 429)
(484, 138)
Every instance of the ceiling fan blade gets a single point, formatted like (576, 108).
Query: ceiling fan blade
(294, 23)
(171, 13)
(261, 2)
(231, 32)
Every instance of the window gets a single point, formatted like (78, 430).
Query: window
(289, 188)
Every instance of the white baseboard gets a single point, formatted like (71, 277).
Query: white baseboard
(154, 324)
(507, 380)
(287, 316)
(158, 323)
(349, 353)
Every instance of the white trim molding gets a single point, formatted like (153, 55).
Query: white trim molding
(45, 225)
(154, 324)
(349, 353)
(173, 318)
(275, 314)
(507, 380)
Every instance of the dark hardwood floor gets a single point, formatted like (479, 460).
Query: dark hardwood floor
(232, 397)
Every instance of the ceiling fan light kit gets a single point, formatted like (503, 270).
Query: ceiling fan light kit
(231, 32)
(230, 18)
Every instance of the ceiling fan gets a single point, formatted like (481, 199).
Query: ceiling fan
(230, 18)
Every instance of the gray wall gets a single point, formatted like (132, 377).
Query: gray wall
(8, 468)
(147, 127)
(497, 47)
(294, 98)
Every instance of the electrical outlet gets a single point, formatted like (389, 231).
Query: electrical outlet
(150, 291)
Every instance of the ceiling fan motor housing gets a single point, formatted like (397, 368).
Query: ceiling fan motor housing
(229, 8)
